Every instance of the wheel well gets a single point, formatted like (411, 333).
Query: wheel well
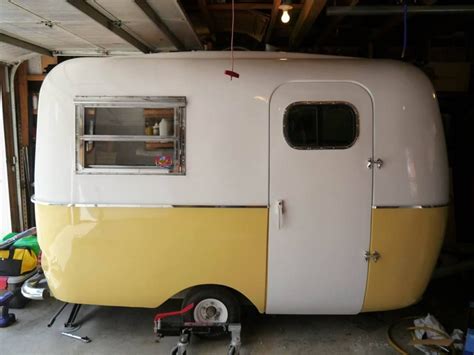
(240, 296)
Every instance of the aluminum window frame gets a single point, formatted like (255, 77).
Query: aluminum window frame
(308, 103)
(178, 103)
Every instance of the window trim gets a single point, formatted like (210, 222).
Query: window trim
(301, 103)
(178, 103)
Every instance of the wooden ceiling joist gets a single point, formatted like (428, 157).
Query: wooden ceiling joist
(273, 20)
(332, 26)
(309, 13)
(246, 6)
(209, 21)
(386, 28)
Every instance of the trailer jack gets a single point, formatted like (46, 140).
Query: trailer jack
(172, 324)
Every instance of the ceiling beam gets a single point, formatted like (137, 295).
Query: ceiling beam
(309, 13)
(156, 19)
(389, 25)
(203, 8)
(332, 26)
(114, 26)
(25, 45)
(273, 20)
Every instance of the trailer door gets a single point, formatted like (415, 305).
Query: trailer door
(320, 197)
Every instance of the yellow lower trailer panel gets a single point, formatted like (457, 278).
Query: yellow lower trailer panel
(409, 241)
(140, 257)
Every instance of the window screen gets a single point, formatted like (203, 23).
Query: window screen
(132, 135)
(320, 125)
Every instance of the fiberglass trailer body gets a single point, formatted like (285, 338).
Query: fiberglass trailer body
(311, 185)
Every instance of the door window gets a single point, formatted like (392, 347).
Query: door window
(320, 125)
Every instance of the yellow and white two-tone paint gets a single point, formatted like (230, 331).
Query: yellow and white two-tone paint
(288, 229)
(409, 241)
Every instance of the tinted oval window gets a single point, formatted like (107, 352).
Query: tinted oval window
(320, 125)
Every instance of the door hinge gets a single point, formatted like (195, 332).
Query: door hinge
(368, 256)
(371, 162)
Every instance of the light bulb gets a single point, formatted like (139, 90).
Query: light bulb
(285, 17)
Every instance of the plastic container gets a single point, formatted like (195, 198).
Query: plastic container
(14, 283)
(156, 129)
(148, 130)
(165, 128)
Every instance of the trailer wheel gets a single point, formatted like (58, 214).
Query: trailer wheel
(212, 304)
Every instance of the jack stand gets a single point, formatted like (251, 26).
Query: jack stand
(56, 315)
(181, 347)
(235, 342)
(165, 325)
(185, 338)
(70, 324)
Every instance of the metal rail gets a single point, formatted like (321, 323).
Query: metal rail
(117, 138)
(114, 26)
(25, 45)
(394, 10)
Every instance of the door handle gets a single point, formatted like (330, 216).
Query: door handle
(279, 212)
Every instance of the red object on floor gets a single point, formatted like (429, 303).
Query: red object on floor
(175, 313)
(3, 282)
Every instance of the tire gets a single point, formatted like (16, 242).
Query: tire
(213, 298)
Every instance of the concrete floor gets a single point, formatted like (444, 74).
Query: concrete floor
(130, 331)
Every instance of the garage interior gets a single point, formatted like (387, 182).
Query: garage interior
(436, 36)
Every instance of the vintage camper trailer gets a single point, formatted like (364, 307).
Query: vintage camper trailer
(310, 185)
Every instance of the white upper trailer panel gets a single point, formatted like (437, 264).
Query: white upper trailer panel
(227, 137)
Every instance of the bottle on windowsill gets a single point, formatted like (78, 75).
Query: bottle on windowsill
(164, 127)
(148, 130)
(156, 129)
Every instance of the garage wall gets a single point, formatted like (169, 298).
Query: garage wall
(5, 217)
